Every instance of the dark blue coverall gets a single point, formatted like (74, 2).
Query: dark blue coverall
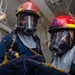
(21, 49)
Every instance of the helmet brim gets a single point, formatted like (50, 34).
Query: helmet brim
(56, 29)
(28, 12)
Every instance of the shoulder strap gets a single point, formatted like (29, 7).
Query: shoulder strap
(13, 40)
(34, 52)
(37, 40)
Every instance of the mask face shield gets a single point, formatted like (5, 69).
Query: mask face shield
(60, 41)
(28, 23)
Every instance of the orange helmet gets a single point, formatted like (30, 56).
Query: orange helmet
(28, 7)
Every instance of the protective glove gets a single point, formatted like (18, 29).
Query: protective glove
(41, 69)
(14, 67)
(33, 64)
(37, 58)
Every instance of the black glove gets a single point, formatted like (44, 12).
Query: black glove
(34, 61)
(15, 66)
(31, 67)
(41, 69)
(37, 58)
(33, 64)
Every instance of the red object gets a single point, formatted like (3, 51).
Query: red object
(29, 5)
(62, 22)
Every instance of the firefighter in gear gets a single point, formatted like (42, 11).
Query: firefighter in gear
(62, 32)
(63, 36)
(21, 40)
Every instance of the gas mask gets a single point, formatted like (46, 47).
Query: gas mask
(61, 41)
(27, 23)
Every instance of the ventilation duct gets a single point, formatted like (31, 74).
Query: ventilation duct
(4, 27)
(2, 11)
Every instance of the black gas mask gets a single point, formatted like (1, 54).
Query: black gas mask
(61, 41)
(27, 23)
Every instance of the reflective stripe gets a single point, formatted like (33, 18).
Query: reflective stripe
(70, 25)
(34, 52)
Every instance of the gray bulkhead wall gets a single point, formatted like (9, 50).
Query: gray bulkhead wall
(42, 32)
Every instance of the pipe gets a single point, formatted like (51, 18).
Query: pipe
(44, 9)
(5, 28)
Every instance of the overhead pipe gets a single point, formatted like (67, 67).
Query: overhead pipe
(5, 28)
(45, 9)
